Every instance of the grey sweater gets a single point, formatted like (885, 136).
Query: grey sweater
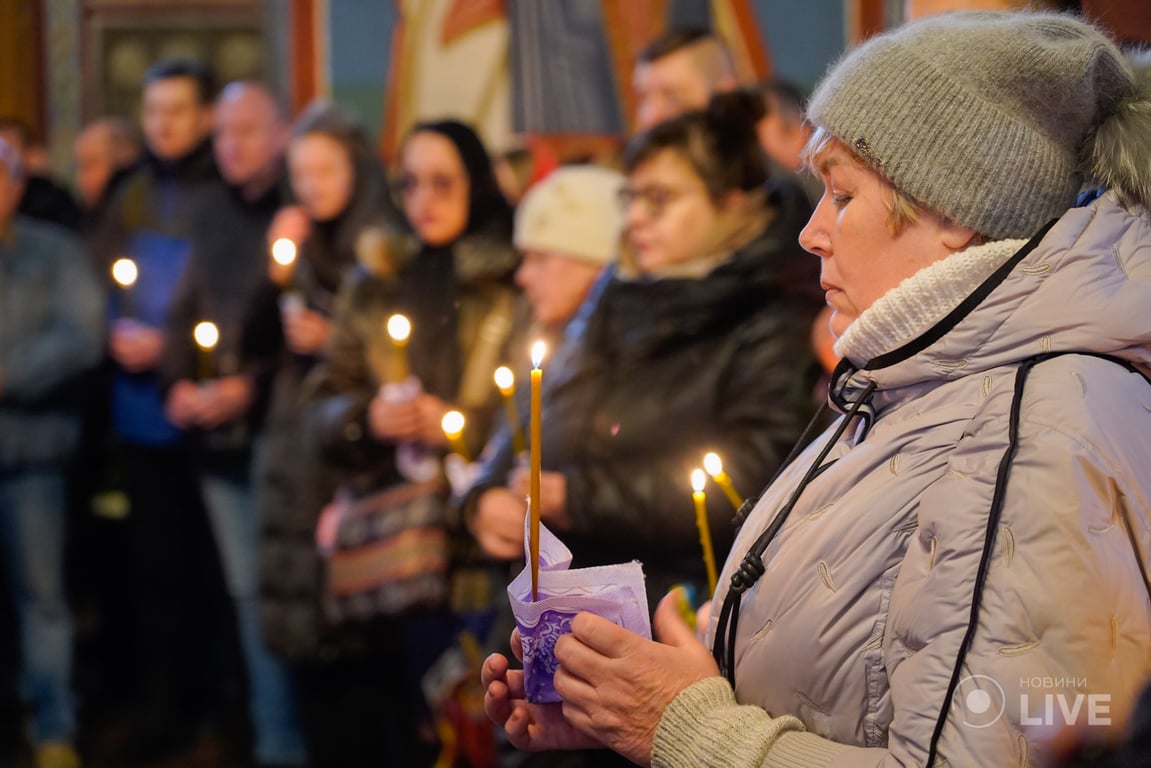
(51, 320)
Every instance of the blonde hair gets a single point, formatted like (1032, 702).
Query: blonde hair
(902, 211)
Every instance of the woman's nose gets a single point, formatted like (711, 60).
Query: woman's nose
(813, 238)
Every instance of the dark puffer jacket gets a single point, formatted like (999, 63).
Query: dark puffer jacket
(294, 485)
(664, 371)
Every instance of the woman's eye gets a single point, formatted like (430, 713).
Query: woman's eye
(840, 200)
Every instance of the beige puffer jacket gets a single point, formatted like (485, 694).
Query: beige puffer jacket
(857, 626)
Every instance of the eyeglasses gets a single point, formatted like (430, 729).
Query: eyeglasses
(441, 185)
(656, 198)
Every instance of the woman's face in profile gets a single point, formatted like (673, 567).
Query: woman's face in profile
(668, 215)
(849, 232)
(435, 188)
(323, 177)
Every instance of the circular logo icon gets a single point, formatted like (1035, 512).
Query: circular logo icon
(981, 701)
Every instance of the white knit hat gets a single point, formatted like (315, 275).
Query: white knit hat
(575, 211)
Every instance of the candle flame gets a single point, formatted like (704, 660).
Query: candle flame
(399, 328)
(452, 424)
(206, 335)
(539, 349)
(505, 380)
(698, 480)
(124, 272)
(713, 464)
(284, 252)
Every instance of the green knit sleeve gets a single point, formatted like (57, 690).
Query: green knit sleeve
(705, 726)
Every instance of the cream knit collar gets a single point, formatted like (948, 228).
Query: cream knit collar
(922, 300)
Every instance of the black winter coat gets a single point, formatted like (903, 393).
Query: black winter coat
(664, 371)
(223, 281)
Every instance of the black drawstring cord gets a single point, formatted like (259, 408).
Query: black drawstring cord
(751, 568)
(994, 516)
(808, 431)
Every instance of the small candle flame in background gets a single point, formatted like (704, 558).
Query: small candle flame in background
(505, 380)
(399, 328)
(284, 252)
(124, 272)
(206, 334)
(714, 466)
(506, 383)
(453, 424)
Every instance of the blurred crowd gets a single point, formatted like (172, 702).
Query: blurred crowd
(232, 518)
(239, 525)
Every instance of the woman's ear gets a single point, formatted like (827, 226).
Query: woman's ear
(958, 238)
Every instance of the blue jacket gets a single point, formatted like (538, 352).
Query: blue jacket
(151, 221)
(51, 313)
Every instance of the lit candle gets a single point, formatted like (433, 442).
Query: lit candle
(284, 254)
(399, 331)
(539, 349)
(698, 481)
(207, 336)
(125, 273)
(714, 467)
(506, 383)
(453, 426)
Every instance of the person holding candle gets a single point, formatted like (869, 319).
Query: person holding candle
(972, 535)
(51, 308)
(218, 390)
(449, 273)
(568, 229)
(340, 193)
(697, 341)
(151, 219)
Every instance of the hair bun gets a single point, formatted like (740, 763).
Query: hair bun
(733, 116)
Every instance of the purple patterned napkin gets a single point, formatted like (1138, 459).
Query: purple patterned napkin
(615, 592)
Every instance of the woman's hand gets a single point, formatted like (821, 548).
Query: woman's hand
(616, 685)
(393, 421)
(432, 410)
(499, 523)
(306, 331)
(530, 727)
(553, 495)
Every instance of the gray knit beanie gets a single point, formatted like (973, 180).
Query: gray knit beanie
(994, 120)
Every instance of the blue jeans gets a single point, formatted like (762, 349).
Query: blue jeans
(32, 515)
(232, 510)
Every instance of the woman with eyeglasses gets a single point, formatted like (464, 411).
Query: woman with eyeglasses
(378, 426)
(697, 342)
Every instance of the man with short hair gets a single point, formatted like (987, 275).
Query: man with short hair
(151, 220)
(50, 317)
(222, 405)
(783, 133)
(678, 72)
